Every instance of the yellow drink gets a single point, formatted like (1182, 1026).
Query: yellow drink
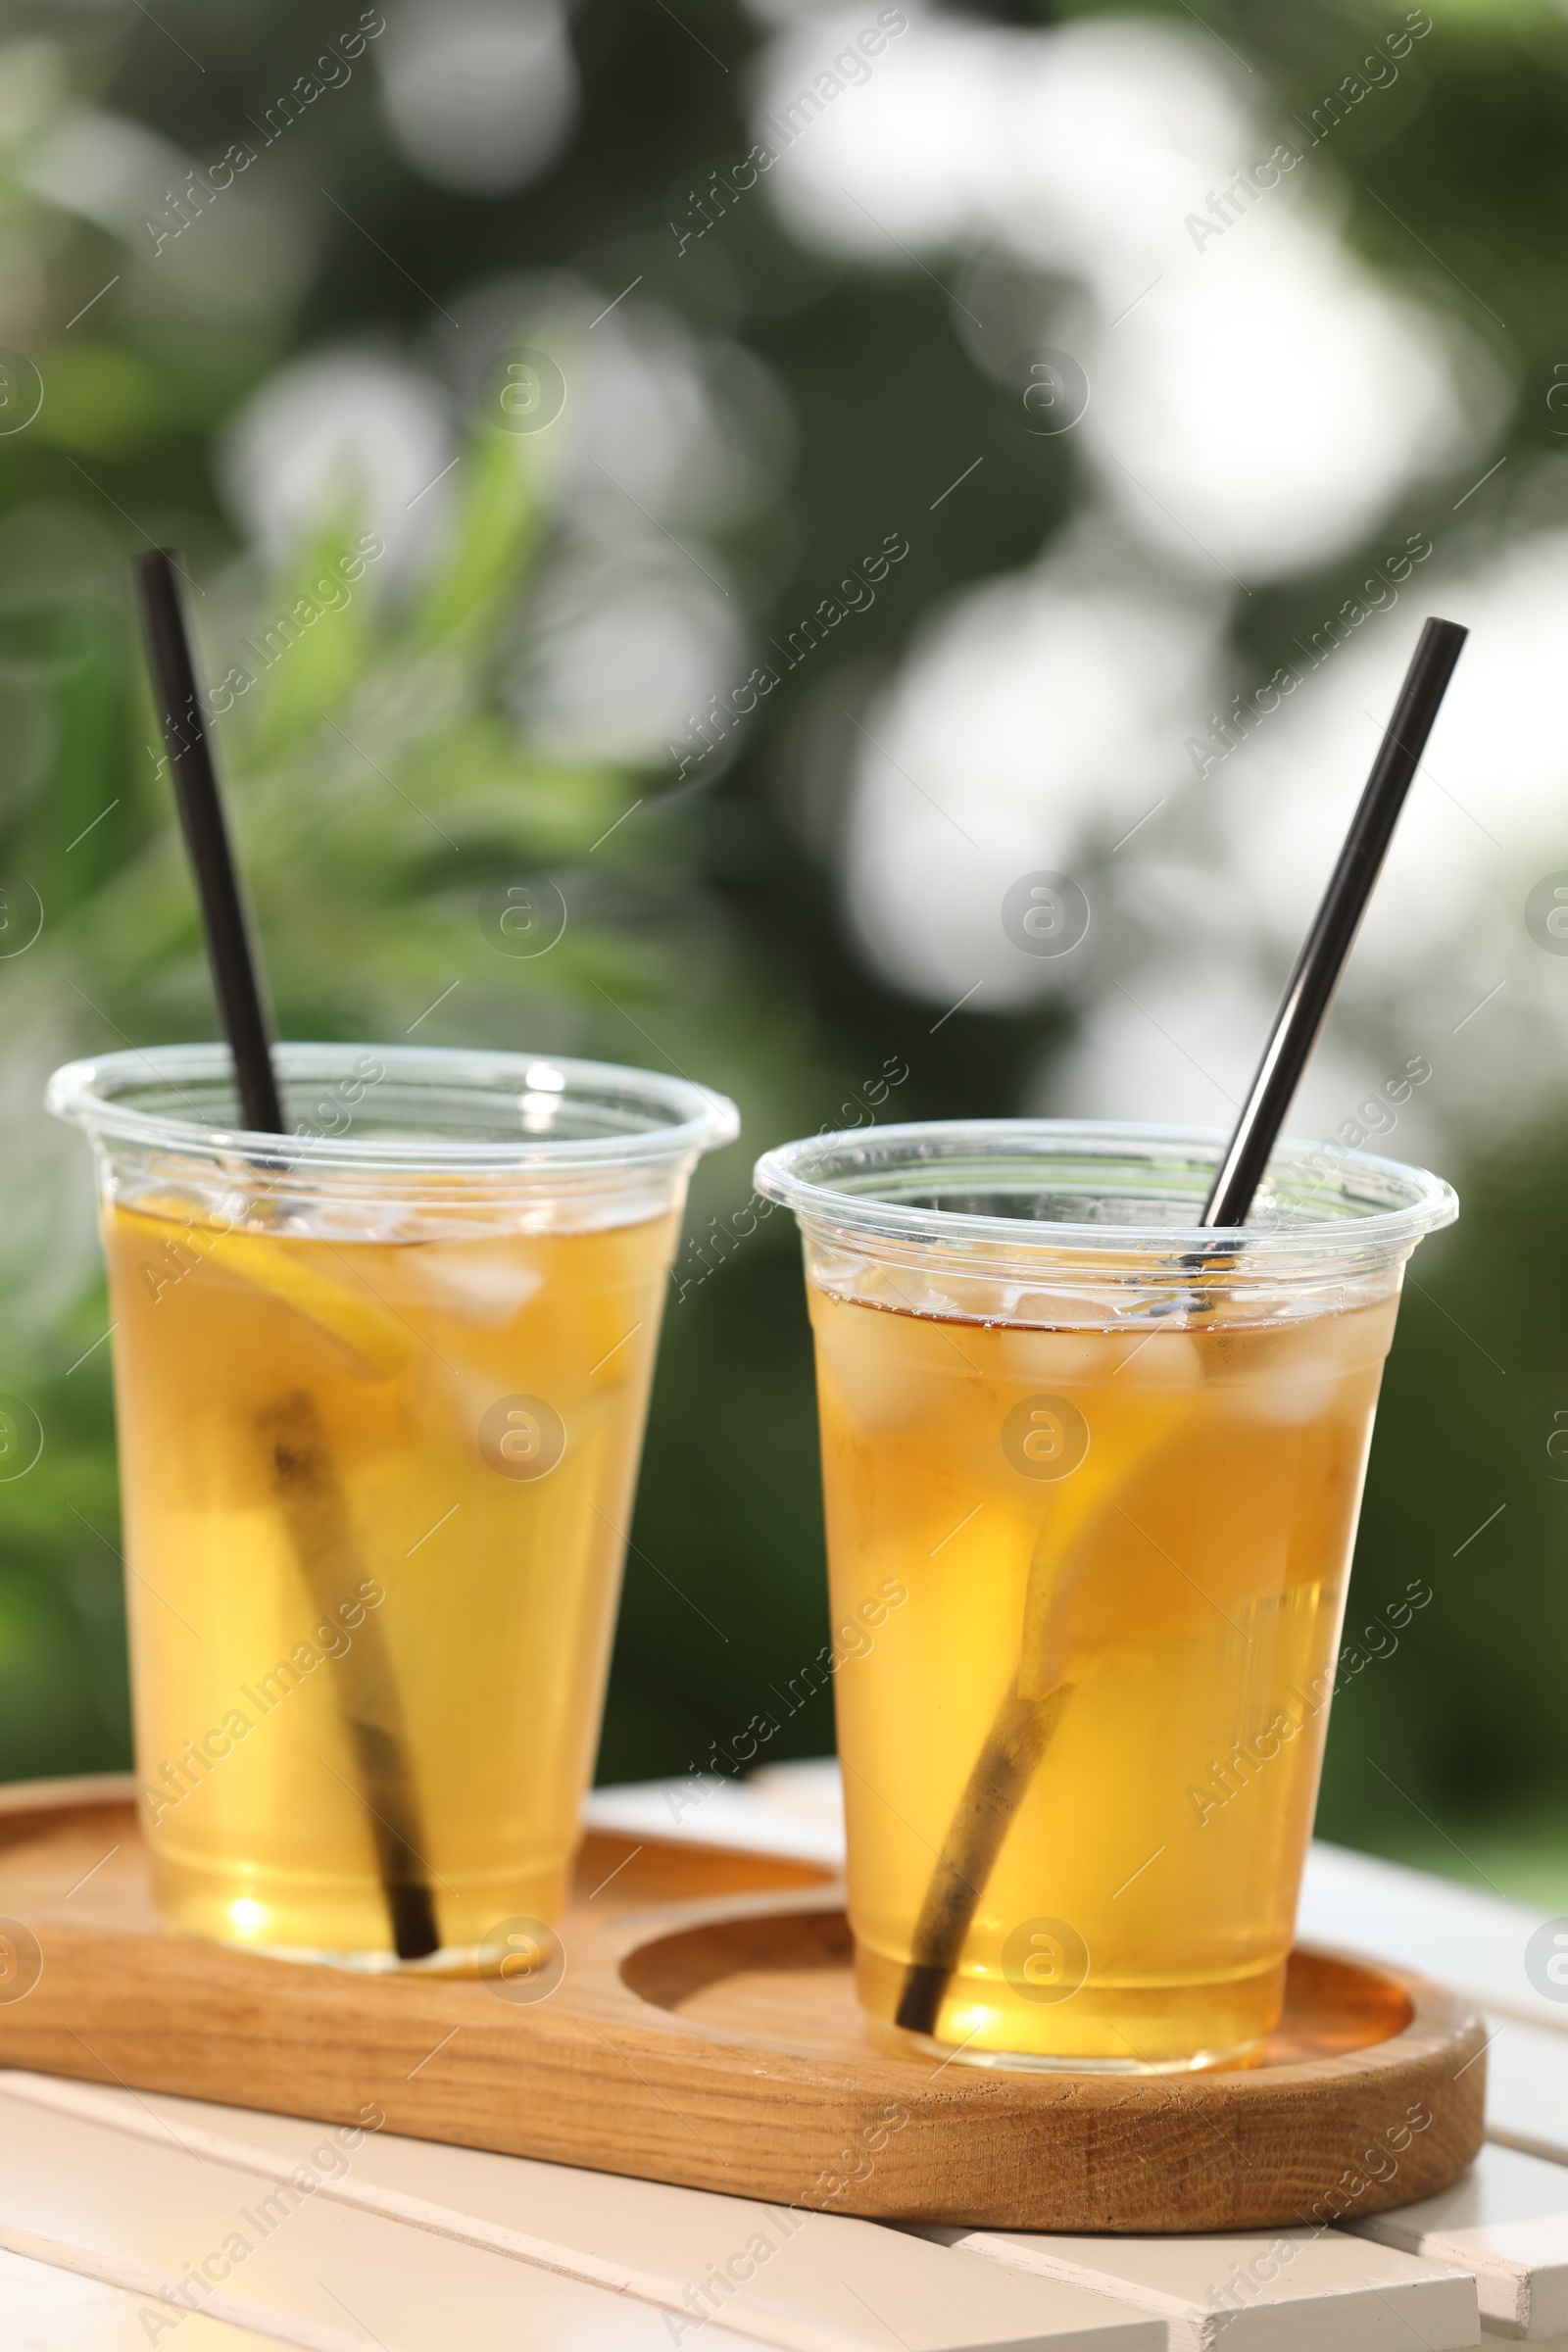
(1092, 1479)
(1189, 1579)
(492, 1596)
(379, 1425)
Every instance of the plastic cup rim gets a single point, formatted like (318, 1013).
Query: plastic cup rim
(697, 1119)
(786, 1175)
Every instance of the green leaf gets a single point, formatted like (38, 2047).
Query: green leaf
(500, 529)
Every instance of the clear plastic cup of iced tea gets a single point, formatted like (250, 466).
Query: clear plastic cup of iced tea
(381, 1388)
(1092, 1478)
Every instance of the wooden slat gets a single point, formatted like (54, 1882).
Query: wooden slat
(1508, 2222)
(46, 2309)
(1527, 2088)
(136, 2214)
(807, 2281)
(1474, 1941)
(711, 1810)
(1289, 2291)
(166, 2301)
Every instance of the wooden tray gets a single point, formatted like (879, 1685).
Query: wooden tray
(706, 2032)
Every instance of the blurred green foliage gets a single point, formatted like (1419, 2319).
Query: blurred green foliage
(1454, 1751)
(378, 783)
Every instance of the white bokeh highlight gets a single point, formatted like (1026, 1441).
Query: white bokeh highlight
(352, 435)
(480, 95)
(1035, 714)
(1260, 397)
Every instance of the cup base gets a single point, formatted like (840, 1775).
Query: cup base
(1111, 2026)
(340, 1921)
(459, 1961)
(897, 2042)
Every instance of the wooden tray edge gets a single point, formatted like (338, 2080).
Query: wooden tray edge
(616, 2085)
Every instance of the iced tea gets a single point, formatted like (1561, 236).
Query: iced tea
(1111, 1466)
(380, 1404)
(265, 1378)
(1173, 1598)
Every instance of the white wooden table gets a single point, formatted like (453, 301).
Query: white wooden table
(129, 2219)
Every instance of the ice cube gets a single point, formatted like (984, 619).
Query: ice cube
(1048, 1359)
(1158, 1359)
(887, 1371)
(473, 1284)
(1302, 1375)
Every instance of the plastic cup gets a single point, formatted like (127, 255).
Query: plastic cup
(1092, 1477)
(381, 1388)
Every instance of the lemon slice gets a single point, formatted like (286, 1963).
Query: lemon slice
(379, 1341)
(1084, 1502)
(352, 1315)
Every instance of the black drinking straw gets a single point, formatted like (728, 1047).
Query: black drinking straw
(1022, 1729)
(1327, 945)
(308, 1492)
(229, 949)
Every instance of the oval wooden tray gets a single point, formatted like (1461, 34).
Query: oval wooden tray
(706, 2032)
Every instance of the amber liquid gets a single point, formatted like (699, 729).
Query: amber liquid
(1172, 1600)
(347, 1542)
